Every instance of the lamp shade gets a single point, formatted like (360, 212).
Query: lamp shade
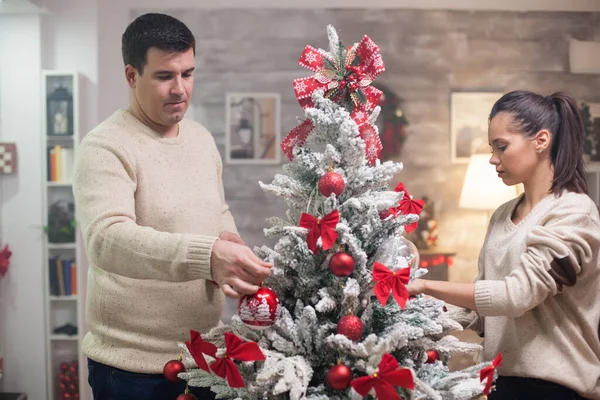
(482, 189)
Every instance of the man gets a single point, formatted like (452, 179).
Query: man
(161, 242)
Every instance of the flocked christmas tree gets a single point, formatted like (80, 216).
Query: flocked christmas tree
(335, 320)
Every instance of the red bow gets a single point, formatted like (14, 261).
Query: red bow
(323, 228)
(239, 350)
(406, 206)
(488, 373)
(4, 260)
(197, 346)
(391, 281)
(346, 81)
(384, 380)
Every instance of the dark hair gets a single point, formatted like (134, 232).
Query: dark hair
(560, 115)
(154, 30)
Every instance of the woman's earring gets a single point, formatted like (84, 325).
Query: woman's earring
(539, 150)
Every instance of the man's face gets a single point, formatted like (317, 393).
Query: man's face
(164, 89)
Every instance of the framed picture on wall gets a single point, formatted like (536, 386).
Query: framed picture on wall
(252, 128)
(469, 113)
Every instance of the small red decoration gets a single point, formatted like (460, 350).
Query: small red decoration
(261, 309)
(342, 264)
(323, 228)
(171, 369)
(351, 326)
(387, 376)
(406, 206)
(339, 377)
(388, 281)
(236, 349)
(331, 182)
(186, 396)
(4, 260)
(488, 373)
(198, 347)
(432, 356)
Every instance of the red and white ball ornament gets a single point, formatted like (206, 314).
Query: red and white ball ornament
(261, 309)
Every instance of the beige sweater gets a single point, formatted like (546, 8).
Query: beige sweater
(150, 209)
(540, 297)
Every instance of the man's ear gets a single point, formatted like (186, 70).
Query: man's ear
(131, 75)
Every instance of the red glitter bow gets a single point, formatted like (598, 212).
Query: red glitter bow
(407, 205)
(389, 281)
(388, 375)
(488, 373)
(197, 347)
(236, 349)
(323, 228)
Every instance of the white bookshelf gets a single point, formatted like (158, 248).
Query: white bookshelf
(64, 303)
(592, 174)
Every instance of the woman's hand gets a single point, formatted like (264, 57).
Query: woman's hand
(416, 287)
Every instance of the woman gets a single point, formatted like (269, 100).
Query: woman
(537, 294)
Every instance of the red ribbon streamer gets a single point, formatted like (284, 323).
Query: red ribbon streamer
(323, 228)
(197, 347)
(359, 70)
(236, 349)
(384, 380)
(389, 281)
(488, 373)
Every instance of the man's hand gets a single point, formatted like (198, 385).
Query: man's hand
(236, 268)
(231, 237)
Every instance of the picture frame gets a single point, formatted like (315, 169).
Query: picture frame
(469, 115)
(252, 128)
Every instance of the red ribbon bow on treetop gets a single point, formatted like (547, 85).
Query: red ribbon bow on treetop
(323, 228)
(407, 205)
(4, 260)
(237, 349)
(387, 376)
(387, 281)
(345, 77)
(488, 373)
(197, 346)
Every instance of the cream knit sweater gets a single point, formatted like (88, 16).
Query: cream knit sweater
(150, 209)
(539, 292)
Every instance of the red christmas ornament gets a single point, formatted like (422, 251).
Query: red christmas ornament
(186, 396)
(261, 309)
(432, 356)
(172, 368)
(341, 264)
(339, 377)
(351, 326)
(331, 182)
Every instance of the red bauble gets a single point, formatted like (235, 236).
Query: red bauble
(432, 356)
(339, 377)
(351, 326)
(341, 264)
(186, 396)
(64, 366)
(261, 309)
(330, 183)
(171, 369)
(75, 396)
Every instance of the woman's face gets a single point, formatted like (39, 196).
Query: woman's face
(513, 155)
